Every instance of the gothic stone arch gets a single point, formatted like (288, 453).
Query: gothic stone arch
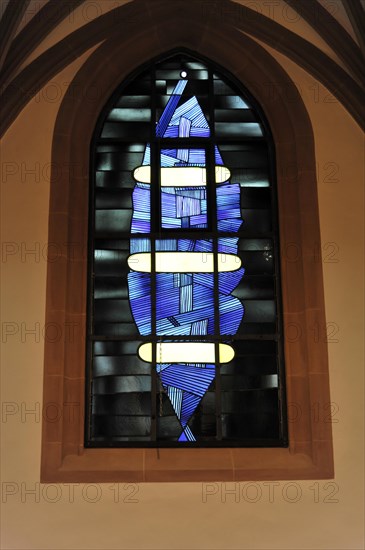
(310, 454)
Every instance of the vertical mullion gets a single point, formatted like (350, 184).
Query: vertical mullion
(154, 222)
(211, 182)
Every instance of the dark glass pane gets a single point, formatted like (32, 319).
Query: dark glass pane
(234, 115)
(112, 222)
(110, 288)
(111, 263)
(113, 311)
(116, 441)
(244, 156)
(244, 382)
(256, 263)
(164, 405)
(116, 365)
(123, 403)
(133, 101)
(121, 425)
(121, 384)
(255, 287)
(115, 329)
(139, 87)
(195, 87)
(168, 427)
(114, 179)
(116, 161)
(256, 221)
(255, 245)
(203, 424)
(129, 115)
(251, 414)
(221, 88)
(252, 329)
(113, 198)
(231, 102)
(255, 197)
(208, 404)
(250, 365)
(116, 348)
(238, 129)
(126, 130)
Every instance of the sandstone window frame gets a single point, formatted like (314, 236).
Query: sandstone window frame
(310, 453)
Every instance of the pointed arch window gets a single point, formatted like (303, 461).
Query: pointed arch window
(184, 317)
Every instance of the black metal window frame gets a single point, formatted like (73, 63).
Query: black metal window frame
(157, 144)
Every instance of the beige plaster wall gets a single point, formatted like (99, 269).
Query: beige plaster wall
(277, 10)
(282, 515)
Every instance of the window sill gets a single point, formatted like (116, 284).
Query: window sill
(199, 465)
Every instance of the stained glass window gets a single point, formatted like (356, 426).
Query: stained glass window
(184, 319)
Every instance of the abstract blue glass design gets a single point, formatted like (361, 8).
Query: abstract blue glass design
(185, 301)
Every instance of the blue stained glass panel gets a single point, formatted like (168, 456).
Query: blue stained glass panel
(226, 297)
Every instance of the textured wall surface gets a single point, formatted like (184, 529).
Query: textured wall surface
(263, 515)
